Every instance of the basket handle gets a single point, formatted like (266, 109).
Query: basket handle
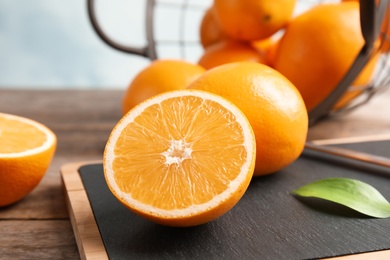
(371, 18)
(148, 51)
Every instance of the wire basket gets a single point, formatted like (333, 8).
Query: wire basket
(185, 44)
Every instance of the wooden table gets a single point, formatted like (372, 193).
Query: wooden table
(38, 227)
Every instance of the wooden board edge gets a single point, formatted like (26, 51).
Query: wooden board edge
(70, 180)
(87, 235)
(375, 255)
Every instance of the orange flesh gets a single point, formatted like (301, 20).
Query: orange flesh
(16, 136)
(173, 153)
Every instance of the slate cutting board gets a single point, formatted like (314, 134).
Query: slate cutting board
(267, 223)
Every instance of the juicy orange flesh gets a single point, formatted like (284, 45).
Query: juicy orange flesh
(16, 136)
(181, 153)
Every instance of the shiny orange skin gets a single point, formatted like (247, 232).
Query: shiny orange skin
(272, 104)
(210, 30)
(158, 77)
(360, 83)
(318, 48)
(229, 51)
(268, 48)
(253, 19)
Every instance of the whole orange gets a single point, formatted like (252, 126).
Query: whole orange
(253, 19)
(158, 77)
(229, 51)
(210, 30)
(318, 48)
(268, 48)
(272, 104)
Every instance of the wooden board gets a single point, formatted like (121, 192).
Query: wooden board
(86, 230)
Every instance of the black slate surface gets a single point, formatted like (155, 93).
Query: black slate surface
(267, 223)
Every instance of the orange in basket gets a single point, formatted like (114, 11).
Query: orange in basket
(253, 19)
(228, 51)
(318, 48)
(210, 30)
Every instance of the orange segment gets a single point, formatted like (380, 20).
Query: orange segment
(26, 150)
(182, 158)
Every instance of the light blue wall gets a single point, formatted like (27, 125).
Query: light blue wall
(51, 44)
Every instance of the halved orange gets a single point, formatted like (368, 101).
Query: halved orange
(181, 158)
(26, 150)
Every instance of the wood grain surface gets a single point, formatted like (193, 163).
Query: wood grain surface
(38, 226)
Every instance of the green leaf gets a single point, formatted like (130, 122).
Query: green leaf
(354, 194)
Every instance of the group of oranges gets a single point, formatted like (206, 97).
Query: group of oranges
(198, 155)
(184, 157)
(193, 135)
(313, 48)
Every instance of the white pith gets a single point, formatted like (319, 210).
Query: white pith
(50, 137)
(177, 152)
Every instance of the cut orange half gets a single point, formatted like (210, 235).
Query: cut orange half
(26, 150)
(182, 158)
